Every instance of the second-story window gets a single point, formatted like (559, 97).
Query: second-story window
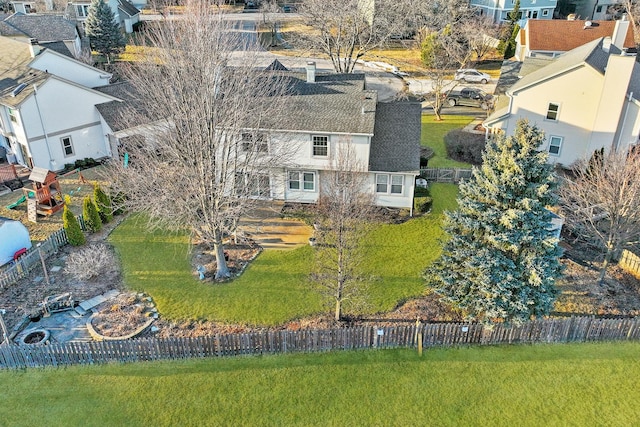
(12, 115)
(320, 145)
(82, 10)
(67, 146)
(552, 111)
(254, 142)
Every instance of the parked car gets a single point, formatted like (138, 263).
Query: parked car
(288, 8)
(471, 75)
(470, 97)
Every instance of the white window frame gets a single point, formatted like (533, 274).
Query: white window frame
(82, 10)
(313, 145)
(64, 148)
(557, 112)
(389, 181)
(301, 180)
(12, 115)
(254, 142)
(545, 12)
(559, 145)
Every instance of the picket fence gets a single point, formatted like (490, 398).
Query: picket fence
(445, 174)
(630, 262)
(574, 329)
(21, 268)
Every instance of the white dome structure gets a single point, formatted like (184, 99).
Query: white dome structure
(13, 237)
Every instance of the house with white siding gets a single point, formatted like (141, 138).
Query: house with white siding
(324, 113)
(48, 114)
(584, 100)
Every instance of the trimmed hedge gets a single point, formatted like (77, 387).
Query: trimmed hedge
(465, 146)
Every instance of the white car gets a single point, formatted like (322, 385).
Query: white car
(471, 75)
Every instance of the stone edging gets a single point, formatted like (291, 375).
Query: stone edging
(99, 337)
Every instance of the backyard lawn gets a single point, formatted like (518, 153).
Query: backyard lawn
(275, 289)
(433, 133)
(520, 385)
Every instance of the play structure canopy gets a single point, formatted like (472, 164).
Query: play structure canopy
(13, 237)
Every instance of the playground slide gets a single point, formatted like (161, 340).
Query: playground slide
(17, 202)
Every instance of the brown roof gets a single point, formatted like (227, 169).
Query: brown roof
(561, 35)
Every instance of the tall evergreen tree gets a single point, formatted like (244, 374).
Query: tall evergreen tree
(502, 259)
(91, 216)
(103, 30)
(72, 227)
(103, 202)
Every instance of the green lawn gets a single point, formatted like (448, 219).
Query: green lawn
(275, 289)
(542, 385)
(433, 133)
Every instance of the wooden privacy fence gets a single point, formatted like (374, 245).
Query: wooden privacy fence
(445, 174)
(21, 268)
(575, 329)
(630, 262)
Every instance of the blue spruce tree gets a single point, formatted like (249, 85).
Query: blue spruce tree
(103, 30)
(502, 259)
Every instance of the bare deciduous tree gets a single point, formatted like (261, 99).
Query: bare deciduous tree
(602, 202)
(347, 29)
(632, 9)
(341, 223)
(200, 150)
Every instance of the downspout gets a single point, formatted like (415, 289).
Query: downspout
(44, 131)
(624, 121)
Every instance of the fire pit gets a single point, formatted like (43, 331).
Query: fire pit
(36, 337)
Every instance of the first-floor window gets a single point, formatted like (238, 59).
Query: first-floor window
(300, 180)
(545, 12)
(555, 143)
(392, 184)
(67, 146)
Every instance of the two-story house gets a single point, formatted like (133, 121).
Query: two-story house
(532, 9)
(52, 31)
(550, 38)
(48, 114)
(126, 14)
(324, 112)
(585, 99)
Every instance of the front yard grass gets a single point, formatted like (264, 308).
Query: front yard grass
(433, 133)
(274, 289)
(520, 385)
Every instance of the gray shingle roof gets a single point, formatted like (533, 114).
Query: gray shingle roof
(395, 146)
(45, 28)
(128, 8)
(590, 54)
(113, 111)
(59, 47)
(15, 70)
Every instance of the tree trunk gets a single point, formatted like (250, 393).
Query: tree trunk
(605, 263)
(222, 270)
(338, 312)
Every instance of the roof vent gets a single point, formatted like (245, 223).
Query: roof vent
(18, 89)
(587, 24)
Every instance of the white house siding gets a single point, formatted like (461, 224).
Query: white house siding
(404, 200)
(69, 69)
(630, 125)
(65, 110)
(575, 93)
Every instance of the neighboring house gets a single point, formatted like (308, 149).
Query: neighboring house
(48, 114)
(498, 9)
(550, 38)
(585, 99)
(593, 9)
(126, 14)
(52, 31)
(324, 113)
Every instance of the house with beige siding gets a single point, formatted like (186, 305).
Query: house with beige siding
(584, 100)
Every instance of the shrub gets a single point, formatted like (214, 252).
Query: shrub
(103, 203)
(91, 261)
(422, 200)
(91, 216)
(465, 146)
(72, 227)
